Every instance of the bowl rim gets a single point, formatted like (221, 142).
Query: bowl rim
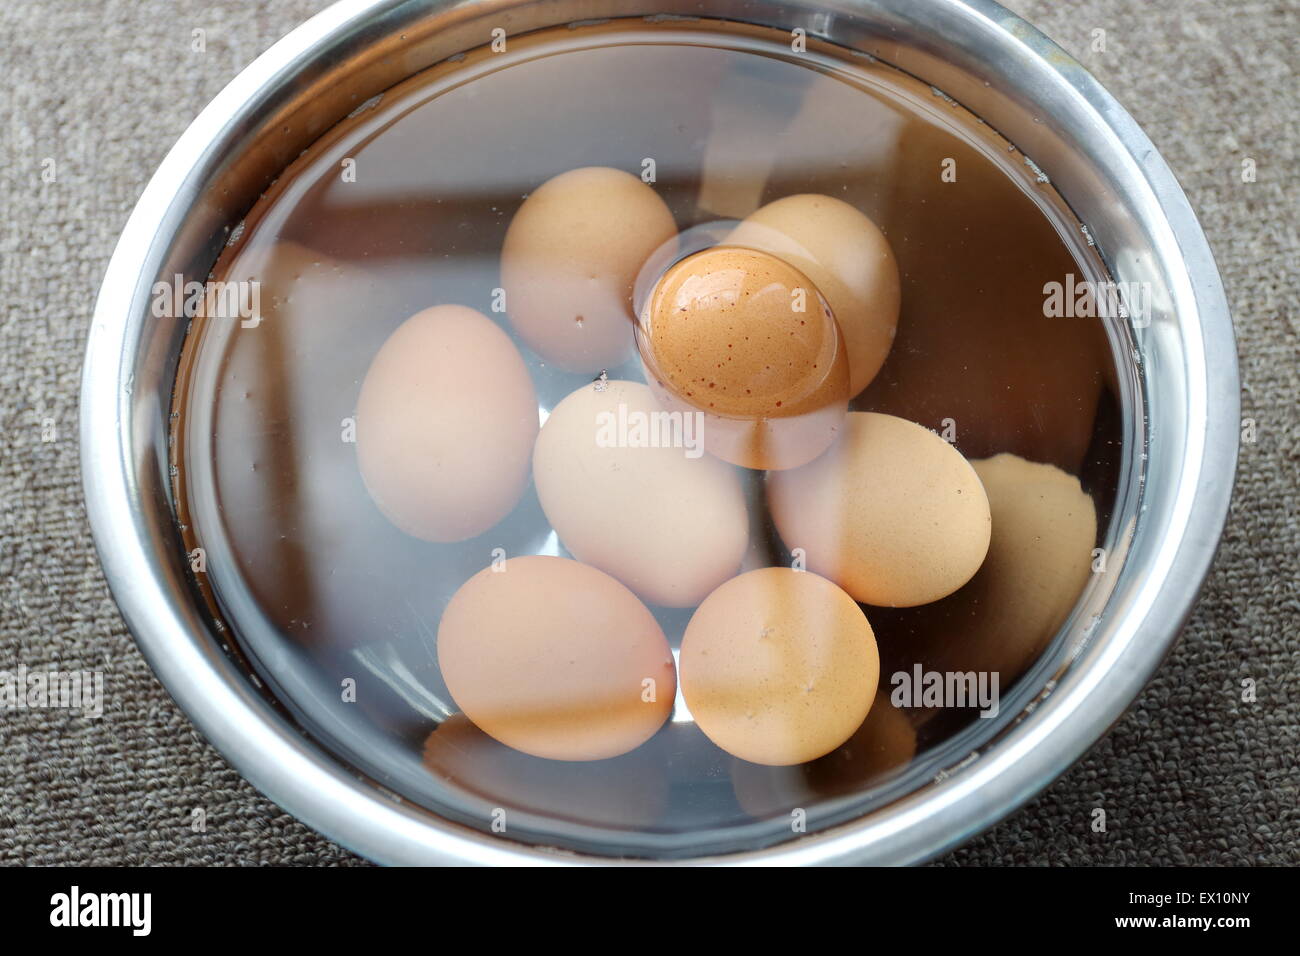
(272, 754)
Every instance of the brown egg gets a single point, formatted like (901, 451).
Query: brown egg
(779, 666)
(892, 513)
(1039, 561)
(569, 261)
(849, 260)
(446, 421)
(556, 659)
(885, 741)
(630, 490)
(748, 339)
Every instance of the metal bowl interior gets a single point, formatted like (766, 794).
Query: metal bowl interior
(1181, 407)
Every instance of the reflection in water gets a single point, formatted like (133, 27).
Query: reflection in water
(885, 741)
(1040, 558)
(626, 792)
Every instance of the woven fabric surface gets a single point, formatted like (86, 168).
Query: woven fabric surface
(96, 91)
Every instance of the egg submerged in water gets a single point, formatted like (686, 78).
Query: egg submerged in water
(571, 256)
(779, 666)
(628, 488)
(446, 421)
(1040, 560)
(556, 659)
(892, 513)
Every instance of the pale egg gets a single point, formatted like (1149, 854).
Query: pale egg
(779, 666)
(570, 260)
(892, 513)
(628, 488)
(446, 421)
(556, 659)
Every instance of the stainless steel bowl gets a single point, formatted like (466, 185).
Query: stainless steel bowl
(1178, 379)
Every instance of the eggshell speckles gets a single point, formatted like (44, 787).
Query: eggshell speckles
(742, 333)
(749, 340)
(779, 666)
(570, 259)
(848, 258)
(668, 521)
(892, 512)
(556, 659)
(446, 421)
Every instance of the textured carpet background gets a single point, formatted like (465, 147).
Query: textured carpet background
(104, 87)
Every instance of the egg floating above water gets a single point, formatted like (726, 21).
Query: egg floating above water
(748, 340)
